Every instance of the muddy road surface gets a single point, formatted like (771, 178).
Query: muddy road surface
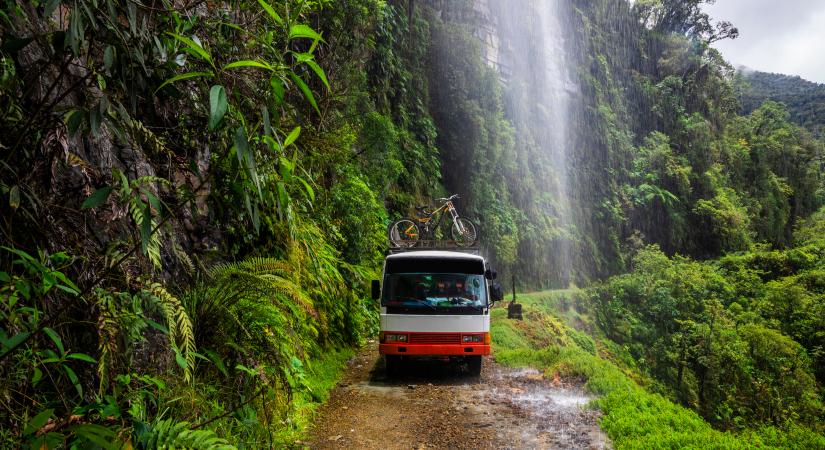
(437, 405)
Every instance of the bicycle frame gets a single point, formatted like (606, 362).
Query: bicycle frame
(426, 221)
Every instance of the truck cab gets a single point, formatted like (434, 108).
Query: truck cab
(434, 303)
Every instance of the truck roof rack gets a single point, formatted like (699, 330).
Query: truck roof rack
(423, 245)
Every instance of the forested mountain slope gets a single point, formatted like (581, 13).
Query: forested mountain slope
(805, 100)
(195, 194)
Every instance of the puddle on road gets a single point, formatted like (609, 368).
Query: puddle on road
(545, 416)
(525, 410)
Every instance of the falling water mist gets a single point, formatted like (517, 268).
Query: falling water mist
(527, 43)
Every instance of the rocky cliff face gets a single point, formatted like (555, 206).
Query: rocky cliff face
(77, 140)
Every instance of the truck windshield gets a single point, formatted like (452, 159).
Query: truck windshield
(435, 291)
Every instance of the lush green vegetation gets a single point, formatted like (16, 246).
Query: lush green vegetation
(738, 339)
(194, 196)
(635, 415)
(195, 201)
(805, 100)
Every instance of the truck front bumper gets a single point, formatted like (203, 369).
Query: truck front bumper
(433, 349)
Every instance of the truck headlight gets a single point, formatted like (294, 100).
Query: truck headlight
(472, 338)
(392, 337)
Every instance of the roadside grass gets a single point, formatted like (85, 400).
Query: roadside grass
(633, 417)
(321, 377)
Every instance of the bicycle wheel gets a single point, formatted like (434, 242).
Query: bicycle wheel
(403, 233)
(464, 232)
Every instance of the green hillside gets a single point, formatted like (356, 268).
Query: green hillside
(805, 100)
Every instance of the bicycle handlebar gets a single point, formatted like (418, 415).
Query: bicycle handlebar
(452, 197)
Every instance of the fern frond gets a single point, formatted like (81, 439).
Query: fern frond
(107, 332)
(183, 258)
(271, 266)
(153, 249)
(181, 334)
(166, 434)
(147, 139)
(149, 179)
(255, 266)
(138, 211)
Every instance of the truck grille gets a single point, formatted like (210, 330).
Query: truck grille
(435, 338)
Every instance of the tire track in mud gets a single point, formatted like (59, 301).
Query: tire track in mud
(437, 405)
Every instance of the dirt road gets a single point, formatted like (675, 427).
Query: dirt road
(437, 405)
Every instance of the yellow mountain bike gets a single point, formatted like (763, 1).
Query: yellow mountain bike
(407, 232)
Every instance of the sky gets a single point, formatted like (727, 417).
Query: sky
(781, 36)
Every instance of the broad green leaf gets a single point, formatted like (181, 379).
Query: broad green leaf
(38, 421)
(73, 378)
(97, 198)
(309, 190)
(318, 71)
(14, 197)
(183, 76)
(180, 359)
(74, 120)
(302, 57)
(303, 31)
(55, 338)
(217, 106)
(82, 357)
(108, 57)
(292, 136)
(196, 48)
(286, 168)
(218, 361)
(199, 356)
(97, 434)
(153, 200)
(157, 326)
(265, 119)
(233, 26)
(248, 63)
(271, 143)
(95, 119)
(305, 89)
(246, 158)
(271, 12)
(15, 340)
(38, 375)
(67, 289)
(277, 89)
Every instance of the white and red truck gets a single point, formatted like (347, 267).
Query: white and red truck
(435, 303)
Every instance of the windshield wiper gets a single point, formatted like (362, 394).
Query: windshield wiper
(424, 301)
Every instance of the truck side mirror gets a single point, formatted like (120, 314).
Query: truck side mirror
(376, 289)
(496, 292)
(490, 274)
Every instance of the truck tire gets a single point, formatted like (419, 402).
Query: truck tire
(393, 365)
(474, 365)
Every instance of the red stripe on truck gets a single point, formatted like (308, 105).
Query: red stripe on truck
(403, 348)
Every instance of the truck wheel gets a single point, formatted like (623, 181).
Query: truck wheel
(393, 364)
(474, 365)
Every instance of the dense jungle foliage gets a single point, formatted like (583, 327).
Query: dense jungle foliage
(194, 195)
(739, 339)
(194, 200)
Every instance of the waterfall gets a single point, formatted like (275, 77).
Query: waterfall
(527, 43)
